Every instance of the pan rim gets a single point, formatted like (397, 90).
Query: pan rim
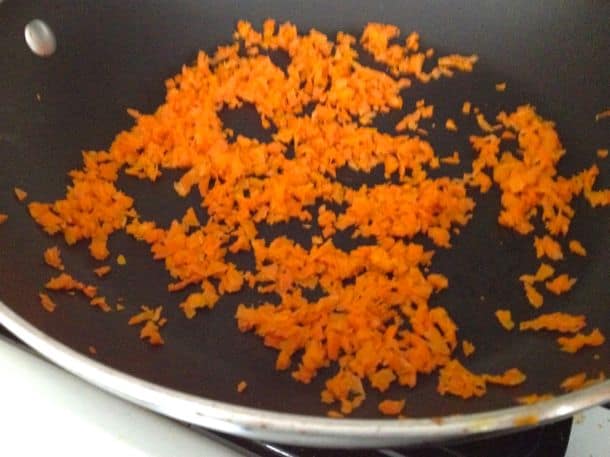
(287, 428)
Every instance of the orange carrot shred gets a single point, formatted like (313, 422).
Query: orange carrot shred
(560, 322)
(52, 257)
(241, 386)
(505, 318)
(47, 303)
(20, 194)
(3, 218)
(560, 284)
(103, 270)
(578, 341)
(577, 248)
(391, 407)
(467, 348)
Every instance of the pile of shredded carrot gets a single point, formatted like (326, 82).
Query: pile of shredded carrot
(373, 322)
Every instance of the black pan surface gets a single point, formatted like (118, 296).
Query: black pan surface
(113, 55)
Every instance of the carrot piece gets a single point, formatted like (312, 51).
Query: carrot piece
(391, 407)
(561, 322)
(468, 348)
(466, 107)
(52, 257)
(20, 194)
(451, 125)
(505, 318)
(103, 270)
(560, 284)
(578, 341)
(3, 218)
(574, 382)
(577, 248)
(47, 303)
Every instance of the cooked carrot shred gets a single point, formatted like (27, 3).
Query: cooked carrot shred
(121, 260)
(501, 87)
(391, 407)
(602, 153)
(52, 257)
(547, 246)
(561, 322)
(467, 348)
(453, 159)
(451, 125)
(534, 297)
(20, 194)
(101, 303)
(241, 386)
(466, 107)
(151, 319)
(505, 318)
(457, 380)
(578, 341)
(47, 303)
(3, 218)
(577, 248)
(66, 282)
(92, 350)
(560, 284)
(103, 270)
(574, 382)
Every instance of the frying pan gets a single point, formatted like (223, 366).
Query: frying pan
(115, 54)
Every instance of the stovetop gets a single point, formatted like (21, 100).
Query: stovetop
(574, 437)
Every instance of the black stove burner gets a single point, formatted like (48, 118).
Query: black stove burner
(546, 441)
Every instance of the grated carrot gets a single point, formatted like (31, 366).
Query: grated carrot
(391, 407)
(52, 257)
(577, 248)
(561, 322)
(451, 125)
(574, 382)
(47, 303)
(547, 246)
(466, 107)
(468, 348)
(103, 270)
(534, 297)
(602, 153)
(457, 380)
(121, 260)
(66, 282)
(505, 318)
(20, 194)
(560, 284)
(453, 159)
(101, 303)
(3, 218)
(578, 341)
(501, 87)
(241, 386)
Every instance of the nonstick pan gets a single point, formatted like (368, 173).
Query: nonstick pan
(112, 55)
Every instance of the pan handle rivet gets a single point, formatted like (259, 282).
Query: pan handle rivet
(40, 38)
